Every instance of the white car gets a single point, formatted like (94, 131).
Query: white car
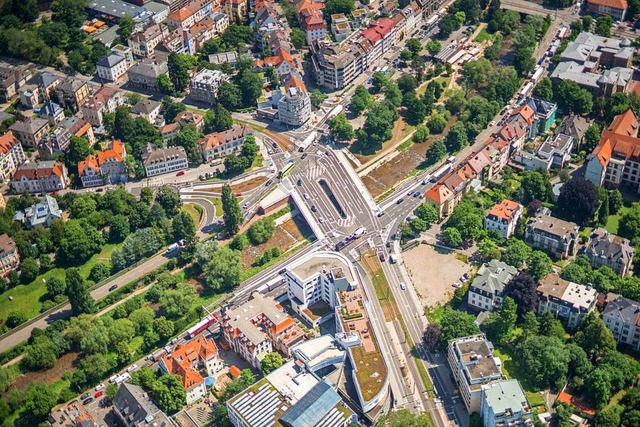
(99, 387)
(403, 286)
(456, 285)
(132, 368)
(245, 205)
(321, 220)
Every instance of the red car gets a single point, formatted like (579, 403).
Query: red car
(180, 173)
(98, 394)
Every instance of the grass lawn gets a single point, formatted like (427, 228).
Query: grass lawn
(136, 344)
(512, 370)
(28, 298)
(614, 220)
(482, 36)
(194, 210)
(217, 203)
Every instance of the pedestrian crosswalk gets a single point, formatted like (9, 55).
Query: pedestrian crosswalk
(315, 172)
(345, 222)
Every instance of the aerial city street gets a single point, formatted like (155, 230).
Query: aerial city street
(258, 213)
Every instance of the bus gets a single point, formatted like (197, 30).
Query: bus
(287, 169)
(201, 326)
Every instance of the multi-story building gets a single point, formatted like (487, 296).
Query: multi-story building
(126, 52)
(294, 107)
(188, 361)
(158, 161)
(487, 289)
(172, 43)
(616, 160)
(617, 9)
(473, 365)
(11, 156)
(204, 85)
(189, 118)
(622, 317)
(144, 75)
(221, 144)
(504, 217)
(30, 131)
(144, 42)
(568, 301)
(112, 67)
(442, 198)
(554, 235)
(105, 100)
(30, 95)
(133, 407)
(259, 327)
(52, 112)
(46, 83)
(504, 404)
(606, 249)
(12, 78)
(71, 93)
(108, 167)
(189, 15)
(9, 256)
(147, 109)
(40, 177)
(42, 214)
(58, 139)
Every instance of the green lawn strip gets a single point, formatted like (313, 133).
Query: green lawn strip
(614, 220)
(386, 194)
(482, 36)
(194, 210)
(252, 271)
(404, 145)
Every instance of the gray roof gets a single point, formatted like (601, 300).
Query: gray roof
(493, 276)
(607, 245)
(624, 310)
(316, 408)
(110, 61)
(44, 211)
(132, 401)
(152, 155)
(51, 109)
(575, 126)
(44, 79)
(570, 70)
(145, 106)
(5, 116)
(224, 57)
(576, 52)
(504, 396)
(31, 125)
(149, 69)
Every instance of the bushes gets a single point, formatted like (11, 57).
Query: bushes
(261, 231)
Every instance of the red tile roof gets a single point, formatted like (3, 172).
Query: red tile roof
(7, 141)
(613, 4)
(439, 194)
(504, 210)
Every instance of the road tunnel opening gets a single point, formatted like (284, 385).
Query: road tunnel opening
(327, 190)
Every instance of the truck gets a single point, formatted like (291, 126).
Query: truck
(271, 284)
(201, 326)
(172, 248)
(393, 258)
(359, 232)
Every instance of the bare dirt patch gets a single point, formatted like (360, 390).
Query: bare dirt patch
(433, 272)
(63, 364)
(249, 185)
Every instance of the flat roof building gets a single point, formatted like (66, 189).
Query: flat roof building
(504, 404)
(568, 301)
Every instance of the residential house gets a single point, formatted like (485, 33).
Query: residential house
(173, 43)
(30, 131)
(575, 126)
(46, 83)
(12, 78)
(204, 85)
(107, 167)
(11, 155)
(58, 139)
(30, 96)
(567, 301)
(158, 161)
(144, 75)
(554, 235)
(189, 15)
(221, 144)
(40, 177)
(504, 217)
(487, 289)
(105, 100)
(71, 93)
(617, 9)
(474, 366)
(189, 118)
(112, 67)
(442, 198)
(126, 52)
(220, 22)
(169, 132)
(256, 328)
(148, 109)
(545, 114)
(230, 57)
(144, 42)
(133, 407)
(615, 161)
(283, 63)
(622, 317)
(553, 152)
(52, 112)
(505, 404)
(9, 256)
(294, 107)
(42, 214)
(311, 20)
(188, 361)
(606, 249)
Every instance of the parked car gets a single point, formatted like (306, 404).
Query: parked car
(85, 395)
(456, 285)
(132, 367)
(99, 387)
(400, 200)
(87, 401)
(113, 288)
(98, 394)
(180, 173)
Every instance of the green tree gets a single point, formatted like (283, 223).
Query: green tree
(169, 393)
(250, 85)
(298, 38)
(79, 149)
(594, 337)
(392, 93)
(55, 286)
(422, 135)
(517, 253)
(38, 400)
(476, 73)
(177, 302)
(360, 101)
(406, 83)
(591, 138)
(221, 266)
(603, 25)
(170, 108)
(456, 138)
(377, 127)
(142, 319)
(338, 6)
(99, 272)
(164, 327)
(457, 101)
(271, 362)
(126, 25)
(39, 355)
(229, 96)
(164, 85)
(539, 265)
(535, 185)
(340, 129)
(572, 98)
(183, 227)
(578, 200)
(436, 123)
(119, 228)
(79, 296)
(29, 270)
(456, 324)
(545, 361)
(544, 89)
(231, 212)
(434, 47)
(415, 110)
(169, 199)
(261, 231)
(317, 98)
(452, 237)
(180, 66)
(436, 152)
(223, 119)
(403, 418)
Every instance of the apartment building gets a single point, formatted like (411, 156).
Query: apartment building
(9, 256)
(42, 214)
(312, 284)
(30, 131)
(144, 42)
(606, 249)
(622, 317)
(259, 327)
(503, 217)
(58, 139)
(105, 100)
(12, 78)
(504, 404)
(189, 15)
(189, 118)
(144, 75)
(71, 93)
(107, 167)
(11, 156)
(158, 161)
(133, 407)
(147, 109)
(112, 67)
(204, 85)
(30, 95)
(40, 177)
(554, 235)
(221, 144)
(487, 289)
(567, 301)
(617, 9)
(442, 198)
(615, 161)
(190, 361)
(52, 112)
(473, 365)
(294, 107)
